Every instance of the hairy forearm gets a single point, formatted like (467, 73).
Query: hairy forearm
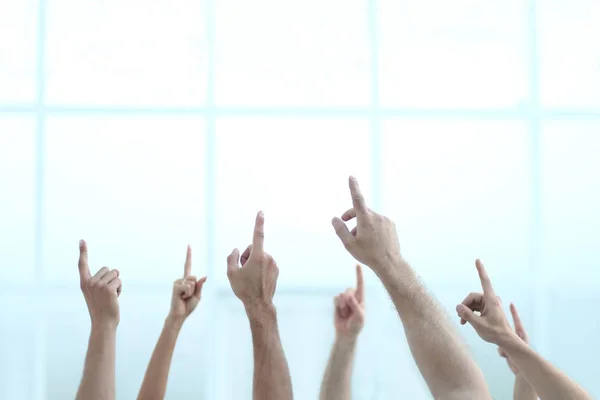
(547, 381)
(271, 373)
(438, 350)
(338, 374)
(523, 389)
(98, 382)
(157, 374)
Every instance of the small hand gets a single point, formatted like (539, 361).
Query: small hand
(491, 325)
(520, 331)
(349, 313)
(374, 241)
(186, 291)
(255, 282)
(101, 291)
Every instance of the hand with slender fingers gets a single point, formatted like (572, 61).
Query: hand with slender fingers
(491, 323)
(374, 240)
(256, 280)
(101, 291)
(349, 309)
(521, 332)
(186, 291)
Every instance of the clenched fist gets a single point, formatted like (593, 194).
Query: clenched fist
(101, 291)
(255, 282)
(349, 312)
(186, 291)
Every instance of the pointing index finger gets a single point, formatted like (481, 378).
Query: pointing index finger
(187, 268)
(360, 285)
(486, 283)
(358, 200)
(516, 319)
(259, 233)
(84, 269)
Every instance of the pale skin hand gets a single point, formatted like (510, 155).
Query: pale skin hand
(522, 390)
(349, 318)
(438, 350)
(101, 293)
(254, 284)
(492, 326)
(186, 296)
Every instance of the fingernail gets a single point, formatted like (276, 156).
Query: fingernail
(81, 243)
(261, 214)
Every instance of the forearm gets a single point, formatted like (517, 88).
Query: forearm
(337, 379)
(546, 380)
(154, 385)
(98, 382)
(271, 374)
(523, 389)
(439, 352)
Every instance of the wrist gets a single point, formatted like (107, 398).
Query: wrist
(509, 341)
(259, 311)
(174, 321)
(104, 326)
(346, 340)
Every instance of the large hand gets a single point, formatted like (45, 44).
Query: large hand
(101, 291)
(491, 325)
(186, 291)
(255, 282)
(374, 241)
(521, 332)
(349, 313)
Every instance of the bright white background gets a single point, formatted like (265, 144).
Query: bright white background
(143, 126)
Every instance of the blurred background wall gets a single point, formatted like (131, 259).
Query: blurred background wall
(143, 126)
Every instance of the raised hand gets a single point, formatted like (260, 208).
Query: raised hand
(491, 325)
(374, 241)
(349, 313)
(521, 332)
(186, 291)
(101, 291)
(255, 282)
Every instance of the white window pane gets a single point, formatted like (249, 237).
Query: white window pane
(17, 346)
(296, 171)
(305, 322)
(573, 338)
(570, 198)
(309, 53)
(459, 191)
(133, 188)
(569, 39)
(396, 359)
(17, 202)
(17, 50)
(143, 315)
(443, 54)
(131, 52)
(67, 334)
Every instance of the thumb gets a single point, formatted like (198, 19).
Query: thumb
(233, 262)
(343, 233)
(198, 289)
(468, 315)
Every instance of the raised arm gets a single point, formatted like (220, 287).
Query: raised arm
(101, 293)
(185, 298)
(522, 389)
(349, 318)
(440, 354)
(491, 325)
(254, 284)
